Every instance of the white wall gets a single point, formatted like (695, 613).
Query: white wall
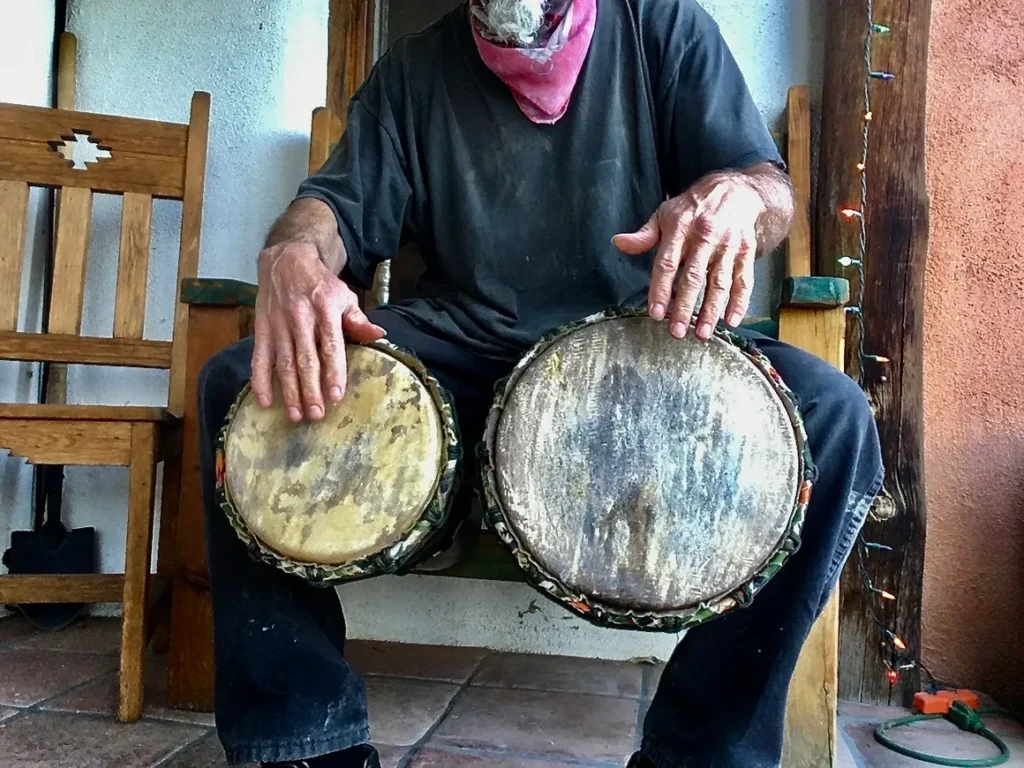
(264, 63)
(26, 37)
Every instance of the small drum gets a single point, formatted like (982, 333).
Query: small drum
(360, 493)
(643, 481)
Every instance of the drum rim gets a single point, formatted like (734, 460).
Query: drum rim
(607, 614)
(402, 552)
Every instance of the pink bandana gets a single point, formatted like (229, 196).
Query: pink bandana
(542, 79)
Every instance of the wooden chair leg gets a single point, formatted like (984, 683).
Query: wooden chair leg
(141, 496)
(161, 616)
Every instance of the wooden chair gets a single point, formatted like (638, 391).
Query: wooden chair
(81, 154)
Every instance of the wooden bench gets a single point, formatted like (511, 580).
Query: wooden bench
(811, 316)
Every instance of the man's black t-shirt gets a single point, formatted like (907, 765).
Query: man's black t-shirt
(514, 219)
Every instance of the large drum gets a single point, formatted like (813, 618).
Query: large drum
(643, 481)
(363, 492)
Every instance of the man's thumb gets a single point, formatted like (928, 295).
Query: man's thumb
(358, 326)
(639, 242)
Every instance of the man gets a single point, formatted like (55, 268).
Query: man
(524, 146)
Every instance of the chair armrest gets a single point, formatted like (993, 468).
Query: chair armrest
(815, 292)
(198, 291)
(766, 326)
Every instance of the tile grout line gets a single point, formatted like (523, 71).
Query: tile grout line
(495, 687)
(38, 706)
(181, 749)
(855, 752)
(555, 759)
(421, 742)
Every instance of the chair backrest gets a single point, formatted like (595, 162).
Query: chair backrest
(81, 153)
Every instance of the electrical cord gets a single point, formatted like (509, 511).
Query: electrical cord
(964, 718)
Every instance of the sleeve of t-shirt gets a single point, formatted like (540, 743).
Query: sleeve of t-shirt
(365, 184)
(707, 120)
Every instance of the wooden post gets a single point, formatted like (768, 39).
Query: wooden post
(896, 218)
(220, 313)
(350, 38)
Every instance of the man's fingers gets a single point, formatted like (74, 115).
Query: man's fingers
(332, 346)
(742, 287)
(284, 368)
(700, 246)
(262, 362)
(717, 289)
(639, 242)
(307, 359)
(663, 274)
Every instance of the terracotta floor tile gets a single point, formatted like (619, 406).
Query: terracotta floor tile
(100, 697)
(541, 723)
(406, 660)
(856, 710)
(55, 740)
(89, 635)
(390, 756)
(937, 737)
(845, 753)
(401, 711)
(28, 677)
(560, 673)
(206, 753)
(436, 758)
(13, 627)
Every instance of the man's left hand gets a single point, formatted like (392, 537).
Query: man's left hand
(707, 238)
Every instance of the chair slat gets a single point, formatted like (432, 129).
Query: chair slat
(13, 215)
(129, 134)
(72, 246)
(118, 170)
(88, 350)
(133, 266)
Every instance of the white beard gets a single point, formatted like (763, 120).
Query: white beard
(514, 22)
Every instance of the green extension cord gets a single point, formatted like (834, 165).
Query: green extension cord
(964, 718)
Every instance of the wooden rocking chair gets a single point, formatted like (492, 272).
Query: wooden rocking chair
(81, 153)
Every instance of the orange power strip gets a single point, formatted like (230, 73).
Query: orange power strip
(939, 703)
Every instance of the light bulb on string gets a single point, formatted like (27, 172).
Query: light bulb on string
(860, 167)
(867, 117)
(882, 76)
(880, 359)
(846, 261)
(893, 676)
(880, 29)
(850, 213)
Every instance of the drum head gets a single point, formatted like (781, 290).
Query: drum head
(642, 473)
(349, 486)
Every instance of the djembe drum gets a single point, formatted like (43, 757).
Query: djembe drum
(363, 492)
(644, 481)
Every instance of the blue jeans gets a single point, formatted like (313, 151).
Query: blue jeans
(285, 692)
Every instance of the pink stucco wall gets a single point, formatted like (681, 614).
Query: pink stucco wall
(973, 620)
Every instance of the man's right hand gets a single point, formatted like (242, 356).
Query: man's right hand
(303, 313)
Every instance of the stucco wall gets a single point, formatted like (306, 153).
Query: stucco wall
(26, 45)
(264, 63)
(974, 336)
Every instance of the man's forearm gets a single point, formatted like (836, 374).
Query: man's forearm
(776, 191)
(311, 221)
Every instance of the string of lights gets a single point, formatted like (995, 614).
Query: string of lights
(894, 648)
